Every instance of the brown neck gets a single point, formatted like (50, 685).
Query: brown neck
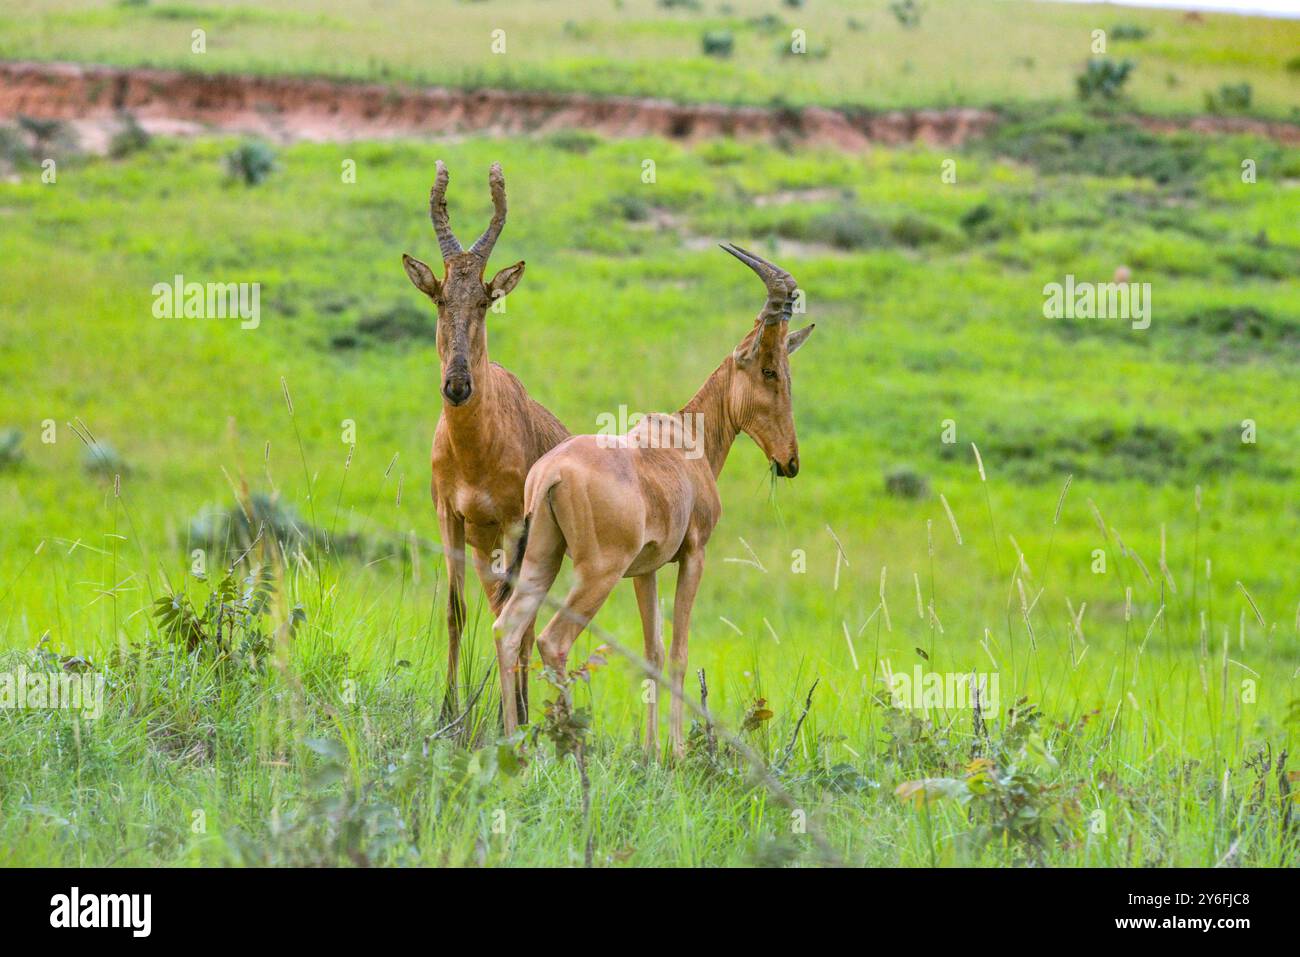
(718, 430)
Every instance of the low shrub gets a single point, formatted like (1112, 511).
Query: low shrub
(1104, 78)
(250, 162)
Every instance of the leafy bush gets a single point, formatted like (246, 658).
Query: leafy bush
(630, 207)
(1011, 790)
(913, 230)
(766, 23)
(849, 227)
(575, 30)
(905, 482)
(11, 453)
(1237, 330)
(400, 323)
(906, 12)
(232, 623)
(100, 458)
(43, 130)
(131, 138)
(987, 221)
(1106, 451)
(1076, 143)
(1259, 259)
(1231, 98)
(15, 150)
(250, 162)
(723, 152)
(1103, 77)
(574, 141)
(718, 43)
(1128, 31)
(49, 137)
(845, 229)
(231, 532)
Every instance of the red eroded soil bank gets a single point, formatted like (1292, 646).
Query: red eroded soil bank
(295, 108)
(313, 109)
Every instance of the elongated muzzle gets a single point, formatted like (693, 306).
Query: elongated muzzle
(458, 384)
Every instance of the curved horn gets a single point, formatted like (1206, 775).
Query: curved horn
(447, 241)
(483, 245)
(780, 284)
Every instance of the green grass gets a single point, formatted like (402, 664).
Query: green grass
(961, 53)
(933, 311)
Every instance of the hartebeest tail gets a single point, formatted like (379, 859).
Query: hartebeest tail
(490, 431)
(624, 508)
(506, 585)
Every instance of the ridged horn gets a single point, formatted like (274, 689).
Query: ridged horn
(447, 241)
(482, 247)
(779, 283)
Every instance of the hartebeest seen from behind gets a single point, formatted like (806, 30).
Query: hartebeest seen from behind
(490, 432)
(624, 508)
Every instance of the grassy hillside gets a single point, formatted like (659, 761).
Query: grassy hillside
(958, 53)
(929, 302)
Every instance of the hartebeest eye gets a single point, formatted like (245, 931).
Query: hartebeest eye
(769, 373)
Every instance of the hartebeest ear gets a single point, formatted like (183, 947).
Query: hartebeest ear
(798, 338)
(505, 280)
(745, 353)
(421, 275)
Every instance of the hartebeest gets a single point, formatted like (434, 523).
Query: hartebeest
(490, 432)
(624, 508)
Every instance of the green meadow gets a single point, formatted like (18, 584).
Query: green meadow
(1141, 622)
(955, 53)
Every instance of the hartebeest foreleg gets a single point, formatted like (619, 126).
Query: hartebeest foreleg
(452, 527)
(647, 599)
(689, 570)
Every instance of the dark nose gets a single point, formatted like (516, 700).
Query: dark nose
(789, 469)
(457, 391)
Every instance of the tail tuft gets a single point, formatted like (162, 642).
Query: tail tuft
(506, 585)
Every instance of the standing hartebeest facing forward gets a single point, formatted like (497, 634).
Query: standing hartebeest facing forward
(627, 507)
(490, 432)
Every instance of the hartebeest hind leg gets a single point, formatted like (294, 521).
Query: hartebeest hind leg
(491, 582)
(688, 582)
(652, 626)
(453, 543)
(529, 636)
(517, 620)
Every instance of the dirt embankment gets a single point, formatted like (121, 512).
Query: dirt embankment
(289, 108)
(292, 108)
(1288, 133)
